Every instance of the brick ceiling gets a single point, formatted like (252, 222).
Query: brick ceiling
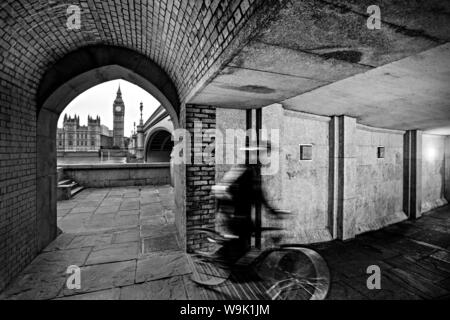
(183, 37)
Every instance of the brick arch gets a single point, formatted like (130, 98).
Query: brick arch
(183, 37)
(188, 40)
(92, 65)
(64, 81)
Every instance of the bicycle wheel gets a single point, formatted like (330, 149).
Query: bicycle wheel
(293, 273)
(208, 269)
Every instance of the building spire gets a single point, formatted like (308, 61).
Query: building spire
(141, 107)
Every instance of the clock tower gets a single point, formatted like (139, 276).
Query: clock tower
(118, 115)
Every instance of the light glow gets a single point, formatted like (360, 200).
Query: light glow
(430, 154)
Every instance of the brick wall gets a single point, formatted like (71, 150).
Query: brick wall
(185, 38)
(17, 178)
(200, 176)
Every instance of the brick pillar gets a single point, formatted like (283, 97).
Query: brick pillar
(343, 177)
(412, 174)
(200, 174)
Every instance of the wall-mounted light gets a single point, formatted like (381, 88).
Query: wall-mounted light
(430, 154)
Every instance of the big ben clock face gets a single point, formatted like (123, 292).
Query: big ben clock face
(118, 109)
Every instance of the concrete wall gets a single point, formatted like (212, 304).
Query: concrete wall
(117, 175)
(345, 174)
(179, 181)
(227, 119)
(272, 119)
(300, 186)
(290, 184)
(447, 168)
(379, 182)
(433, 171)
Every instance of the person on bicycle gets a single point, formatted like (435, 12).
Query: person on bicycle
(238, 192)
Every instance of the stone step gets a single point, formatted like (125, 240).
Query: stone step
(64, 182)
(68, 189)
(76, 190)
(68, 185)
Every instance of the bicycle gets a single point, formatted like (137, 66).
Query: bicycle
(287, 272)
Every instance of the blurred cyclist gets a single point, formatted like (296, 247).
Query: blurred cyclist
(238, 192)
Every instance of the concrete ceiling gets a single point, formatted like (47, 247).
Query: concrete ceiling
(413, 93)
(314, 45)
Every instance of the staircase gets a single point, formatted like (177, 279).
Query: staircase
(67, 189)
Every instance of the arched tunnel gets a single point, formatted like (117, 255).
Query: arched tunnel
(359, 118)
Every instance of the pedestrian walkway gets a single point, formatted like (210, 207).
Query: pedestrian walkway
(413, 256)
(125, 242)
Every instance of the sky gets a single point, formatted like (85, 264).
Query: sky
(99, 101)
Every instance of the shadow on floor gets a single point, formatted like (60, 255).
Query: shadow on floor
(125, 242)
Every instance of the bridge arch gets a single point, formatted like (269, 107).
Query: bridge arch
(159, 141)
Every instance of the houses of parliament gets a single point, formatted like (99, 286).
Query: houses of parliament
(73, 137)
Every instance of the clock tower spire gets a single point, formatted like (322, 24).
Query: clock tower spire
(119, 117)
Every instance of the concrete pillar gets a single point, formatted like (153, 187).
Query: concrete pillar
(347, 178)
(447, 169)
(343, 177)
(412, 174)
(333, 177)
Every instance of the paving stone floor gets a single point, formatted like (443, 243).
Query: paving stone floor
(125, 242)
(413, 256)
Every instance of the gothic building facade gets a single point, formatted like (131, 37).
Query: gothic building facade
(74, 137)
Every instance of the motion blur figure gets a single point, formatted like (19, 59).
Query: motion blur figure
(238, 192)
(288, 271)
